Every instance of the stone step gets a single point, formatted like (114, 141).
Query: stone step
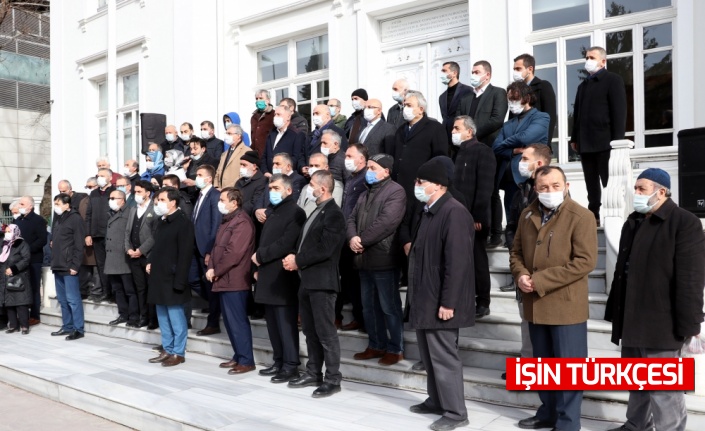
(499, 257)
(502, 276)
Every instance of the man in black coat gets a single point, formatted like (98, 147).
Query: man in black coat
(65, 187)
(656, 300)
(284, 138)
(416, 142)
(298, 121)
(450, 99)
(96, 228)
(34, 232)
(323, 121)
(199, 157)
(475, 166)
(316, 259)
(440, 298)
(252, 184)
(599, 117)
(524, 68)
(356, 122)
(168, 267)
(276, 288)
(281, 164)
(395, 114)
(214, 145)
(486, 105)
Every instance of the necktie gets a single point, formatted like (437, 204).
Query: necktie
(365, 132)
(198, 206)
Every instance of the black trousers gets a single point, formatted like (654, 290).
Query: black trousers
(99, 252)
(482, 267)
(125, 297)
(596, 168)
(35, 280)
(139, 278)
(349, 287)
(86, 280)
(199, 284)
(510, 188)
(19, 313)
(317, 308)
(284, 335)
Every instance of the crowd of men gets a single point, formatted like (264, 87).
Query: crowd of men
(291, 223)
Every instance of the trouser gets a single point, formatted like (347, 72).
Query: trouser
(317, 308)
(237, 325)
(199, 284)
(18, 315)
(510, 188)
(561, 408)
(527, 350)
(68, 293)
(138, 267)
(349, 288)
(35, 280)
(284, 335)
(381, 306)
(172, 324)
(99, 252)
(482, 268)
(86, 279)
(596, 168)
(439, 352)
(664, 410)
(125, 297)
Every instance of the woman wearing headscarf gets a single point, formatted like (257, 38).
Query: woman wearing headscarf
(15, 290)
(155, 165)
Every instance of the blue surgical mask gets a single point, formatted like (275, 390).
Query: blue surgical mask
(261, 104)
(420, 193)
(122, 189)
(641, 203)
(371, 177)
(275, 197)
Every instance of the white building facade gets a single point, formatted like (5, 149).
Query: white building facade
(197, 60)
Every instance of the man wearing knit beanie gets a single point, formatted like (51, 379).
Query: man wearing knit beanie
(356, 122)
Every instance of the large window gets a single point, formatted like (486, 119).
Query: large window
(298, 69)
(127, 119)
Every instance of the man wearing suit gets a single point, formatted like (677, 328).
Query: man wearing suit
(285, 138)
(356, 122)
(214, 146)
(228, 171)
(316, 259)
(318, 162)
(125, 186)
(116, 261)
(199, 157)
(377, 131)
(599, 117)
(281, 165)
(450, 99)
(323, 121)
(395, 115)
(206, 220)
(524, 68)
(139, 239)
(96, 226)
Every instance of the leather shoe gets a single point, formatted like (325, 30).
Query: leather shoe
(208, 331)
(534, 423)
(508, 288)
(305, 380)
(242, 369)
(326, 390)
(423, 409)
(419, 366)
(350, 326)
(494, 241)
(161, 358)
(25, 331)
(100, 298)
(152, 326)
(11, 330)
(269, 371)
(481, 311)
(338, 323)
(368, 354)
(231, 363)
(143, 323)
(173, 360)
(447, 424)
(285, 376)
(60, 332)
(390, 358)
(75, 335)
(33, 321)
(117, 321)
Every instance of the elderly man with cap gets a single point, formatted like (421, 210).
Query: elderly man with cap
(356, 122)
(656, 299)
(373, 238)
(252, 182)
(441, 295)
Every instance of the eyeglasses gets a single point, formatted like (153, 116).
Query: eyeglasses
(91, 187)
(374, 107)
(115, 199)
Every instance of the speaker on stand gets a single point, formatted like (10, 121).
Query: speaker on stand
(152, 129)
(691, 170)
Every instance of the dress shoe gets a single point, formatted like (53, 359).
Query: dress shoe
(75, 335)
(98, 298)
(481, 311)
(423, 409)
(305, 380)
(368, 354)
(534, 423)
(621, 428)
(350, 326)
(326, 390)
(173, 360)
(338, 323)
(163, 356)
(419, 366)
(511, 287)
(390, 358)
(132, 325)
(241, 369)
(269, 371)
(285, 376)
(11, 330)
(117, 321)
(158, 348)
(143, 323)
(33, 321)
(447, 424)
(494, 241)
(231, 363)
(25, 331)
(60, 332)
(208, 331)
(205, 310)
(152, 326)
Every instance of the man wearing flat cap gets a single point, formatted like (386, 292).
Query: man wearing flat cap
(656, 300)
(356, 122)
(441, 294)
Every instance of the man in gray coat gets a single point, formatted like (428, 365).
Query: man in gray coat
(441, 295)
(116, 266)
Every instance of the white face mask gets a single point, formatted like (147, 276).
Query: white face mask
(312, 171)
(444, 79)
(592, 66)
(516, 76)
(325, 151)
(160, 208)
(350, 165)
(228, 139)
(8, 236)
(170, 137)
(102, 182)
(332, 110)
(397, 97)
(126, 172)
(309, 193)
(524, 170)
(276, 171)
(113, 205)
(16, 216)
(139, 199)
(244, 172)
(552, 200)
(58, 210)
(23, 211)
(475, 80)
(408, 113)
(149, 165)
(515, 107)
(222, 209)
(357, 105)
(317, 120)
(457, 140)
(205, 134)
(369, 114)
(193, 156)
(278, 122)
(184, 137)
(200, 182)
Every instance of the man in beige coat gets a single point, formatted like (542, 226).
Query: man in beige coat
(228, 171)
(555, 248)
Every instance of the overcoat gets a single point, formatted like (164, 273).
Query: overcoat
(18, 262)
(170, 260)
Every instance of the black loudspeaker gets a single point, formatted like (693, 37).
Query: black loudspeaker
(152, 127)
(691, 170)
